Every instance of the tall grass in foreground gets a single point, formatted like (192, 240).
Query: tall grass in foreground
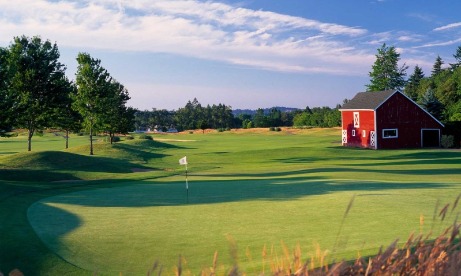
(420, 255)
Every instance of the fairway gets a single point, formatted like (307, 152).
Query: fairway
(257, 189)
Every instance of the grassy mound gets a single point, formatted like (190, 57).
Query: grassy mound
(76, 163)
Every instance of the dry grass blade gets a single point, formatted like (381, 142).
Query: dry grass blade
(443, 212)
(434, 216)
(349, 207)
(455, 204)
(179, 267)
(153, 268)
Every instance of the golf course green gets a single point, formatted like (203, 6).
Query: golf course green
(253, 196)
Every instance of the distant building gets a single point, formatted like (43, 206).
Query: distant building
(388, 120)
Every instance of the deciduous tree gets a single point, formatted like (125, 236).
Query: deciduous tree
(65, 117)
(5, 102)
(93, 85)
(35, 82)
(115, 117)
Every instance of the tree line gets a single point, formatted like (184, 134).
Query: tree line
(221, 117)
(36, 94)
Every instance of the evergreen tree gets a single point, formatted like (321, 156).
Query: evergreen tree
(437, 67)
(457, 57)
(411, 88)
(385, 72)
(431, 104)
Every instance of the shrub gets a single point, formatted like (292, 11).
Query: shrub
(272, 129)
(145, 137)
(129, 137)
(11, 134)
(447, 141)
(278, 129)
(114, 140)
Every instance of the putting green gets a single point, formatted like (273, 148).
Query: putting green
(126, 229)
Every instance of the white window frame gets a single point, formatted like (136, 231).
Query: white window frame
(390, 129)
(353, 132)
(364, 133)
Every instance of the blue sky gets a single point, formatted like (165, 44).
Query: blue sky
(246, 54)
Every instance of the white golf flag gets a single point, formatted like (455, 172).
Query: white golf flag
(183, 161)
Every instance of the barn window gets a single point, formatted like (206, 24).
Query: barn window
(364, 133)
(390, 133)
(353, 132)
(356, 120)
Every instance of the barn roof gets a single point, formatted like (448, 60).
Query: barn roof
(373, 100)
(368, 100)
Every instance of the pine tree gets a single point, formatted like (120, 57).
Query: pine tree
(385, 72)
(431, 104)
(437, 67)
(411, 89)
(457, 57)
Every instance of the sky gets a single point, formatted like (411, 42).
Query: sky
(246, 54)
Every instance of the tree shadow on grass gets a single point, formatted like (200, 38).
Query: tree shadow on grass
(34, 175)
(408, 159)
(216, 191)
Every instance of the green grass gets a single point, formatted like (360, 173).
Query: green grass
(259, 189)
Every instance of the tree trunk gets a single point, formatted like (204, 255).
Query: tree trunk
(29, 142)
(29, 139)
(67, 138)
(91, 140)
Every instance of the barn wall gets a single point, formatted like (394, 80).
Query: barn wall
(366, 123)
(401, 113)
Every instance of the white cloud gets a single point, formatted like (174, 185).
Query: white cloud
(409, 38)
(438, 44)
(209, 30)
(447, 27)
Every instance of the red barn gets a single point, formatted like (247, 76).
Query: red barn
(388, 120)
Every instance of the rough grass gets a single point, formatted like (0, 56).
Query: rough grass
(258, 189)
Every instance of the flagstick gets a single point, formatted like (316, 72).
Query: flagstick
(187, 188)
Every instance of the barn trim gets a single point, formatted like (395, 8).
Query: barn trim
(375, 144)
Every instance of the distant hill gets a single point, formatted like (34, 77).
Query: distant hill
(237, 112)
